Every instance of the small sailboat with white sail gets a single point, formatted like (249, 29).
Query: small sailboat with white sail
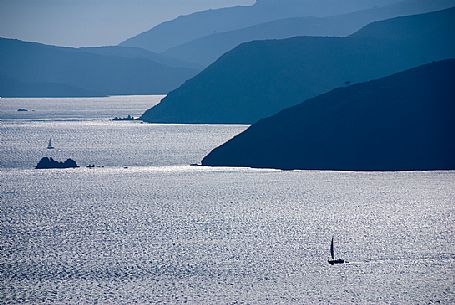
(49, 145)
(334, 261)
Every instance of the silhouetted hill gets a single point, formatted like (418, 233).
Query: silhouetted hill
(187, 28)
(207, 49)
(257, 79)
(33, 69)
(401, 122)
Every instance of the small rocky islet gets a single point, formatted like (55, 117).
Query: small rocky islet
(48, 163)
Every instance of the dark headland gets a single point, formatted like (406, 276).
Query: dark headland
(401, 122)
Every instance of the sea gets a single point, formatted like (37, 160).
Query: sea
(146, 227)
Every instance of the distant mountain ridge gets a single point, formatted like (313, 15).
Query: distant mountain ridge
(133, 52)
(400, 122)
(187, 28)
(206, 50)
(29, 69)
(10, 87)
(257, 79)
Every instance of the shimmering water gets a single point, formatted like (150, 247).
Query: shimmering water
(107, 143)
(76, 108)
(161, 231)
(82, 129)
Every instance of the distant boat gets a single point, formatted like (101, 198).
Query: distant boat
(49, 146)
(334, 261)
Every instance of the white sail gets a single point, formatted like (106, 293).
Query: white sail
(49, 146)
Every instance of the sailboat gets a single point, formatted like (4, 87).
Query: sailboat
(334, 261)
(49, 146)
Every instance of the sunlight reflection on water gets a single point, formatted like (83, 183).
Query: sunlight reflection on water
(161, 231)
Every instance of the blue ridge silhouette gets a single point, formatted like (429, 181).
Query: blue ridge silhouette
(29, 69)
(257, 79)
(206, 50)
(187, 28)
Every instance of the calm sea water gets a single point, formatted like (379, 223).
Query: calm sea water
(93, 108)
(161, 231)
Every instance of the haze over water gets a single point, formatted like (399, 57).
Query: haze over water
(161, 231)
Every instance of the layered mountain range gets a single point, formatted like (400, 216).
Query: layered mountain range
(197, 25)
(260, 78)
(163, 58)
(29, 69)
(207, 49)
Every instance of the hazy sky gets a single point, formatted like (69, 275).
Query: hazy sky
(92, 22)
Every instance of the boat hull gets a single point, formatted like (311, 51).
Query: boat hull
(336, 261)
